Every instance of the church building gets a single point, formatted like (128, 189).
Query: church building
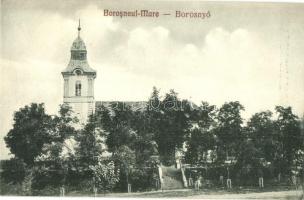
(79, 85)
(79, 81)
(79, 88)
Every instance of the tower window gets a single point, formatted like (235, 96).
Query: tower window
(78, 55)
(78, 88)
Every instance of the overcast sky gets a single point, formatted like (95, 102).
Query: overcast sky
(248, 52)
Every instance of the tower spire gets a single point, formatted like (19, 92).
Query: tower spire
(79, 28)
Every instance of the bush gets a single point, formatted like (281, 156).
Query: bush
(44, 177)
(10, 188)
(141, 179)
(46, 191)
(13, 170)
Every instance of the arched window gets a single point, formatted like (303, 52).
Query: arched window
(78, 72)
(78, 88)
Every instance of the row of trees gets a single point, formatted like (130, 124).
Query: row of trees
(269, 142)
(53, 151)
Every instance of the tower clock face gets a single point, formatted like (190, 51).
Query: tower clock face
(78, 72)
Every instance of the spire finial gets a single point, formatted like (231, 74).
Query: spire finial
(79, 28)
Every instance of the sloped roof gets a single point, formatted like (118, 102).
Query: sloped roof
(133, 105)
(80, 64)
(78, 44)
(77, 47)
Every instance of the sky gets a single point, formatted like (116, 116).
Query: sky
(247, 52)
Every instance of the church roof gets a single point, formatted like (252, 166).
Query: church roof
(78, 45)
(79, 64)
(133, 105)
(78, 57)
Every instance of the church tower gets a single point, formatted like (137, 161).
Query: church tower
(79, 81)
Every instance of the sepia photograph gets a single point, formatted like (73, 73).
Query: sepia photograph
(152, 99)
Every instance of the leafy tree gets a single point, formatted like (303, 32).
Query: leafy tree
(90, 143)
(29, 133)
(249, 162)
(117, 122)
(199, 146)
(145, 123)
(290, 139)
(257, 148)
(124, 158)
(105, 117)
(144, 149)
(206, 116)
(105, 175)
(38, 139)
(89, 149)
(64, 123)
(14, 170)
(61, 128)
(52, 164)
(123, 135)
(173, 125)
(229, 130)
(261, 130)
(201, 139)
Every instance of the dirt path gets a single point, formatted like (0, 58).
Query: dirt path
(187, 194)
(262, 195)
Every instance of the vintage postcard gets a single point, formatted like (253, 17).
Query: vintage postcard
(191, 99)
